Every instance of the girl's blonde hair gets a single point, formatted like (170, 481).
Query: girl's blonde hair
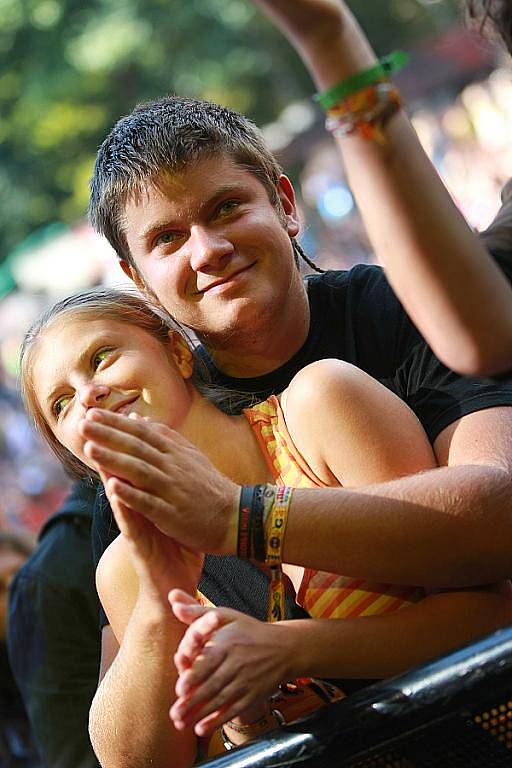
(104, 303)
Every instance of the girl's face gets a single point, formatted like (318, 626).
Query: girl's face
(81, 363)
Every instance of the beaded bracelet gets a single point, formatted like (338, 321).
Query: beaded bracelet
(356, 82)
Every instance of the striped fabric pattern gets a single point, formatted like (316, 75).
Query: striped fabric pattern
(323, 595)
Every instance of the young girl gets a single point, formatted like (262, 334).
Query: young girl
(99, 364)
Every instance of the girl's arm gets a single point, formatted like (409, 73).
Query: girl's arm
(129, 719)
(450, 286)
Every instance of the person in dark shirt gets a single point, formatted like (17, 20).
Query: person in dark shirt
(54, 637)
(17, 749)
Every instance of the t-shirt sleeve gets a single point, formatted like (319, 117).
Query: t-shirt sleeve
(439, 396)
(498, 235)
(390, 348)
(104, 531)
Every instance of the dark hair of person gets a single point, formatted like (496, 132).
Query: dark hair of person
(162, 137)
(495, 15)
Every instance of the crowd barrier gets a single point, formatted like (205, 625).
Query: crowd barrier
(455, 712)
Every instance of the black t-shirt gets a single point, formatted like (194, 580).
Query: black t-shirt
(356, 317)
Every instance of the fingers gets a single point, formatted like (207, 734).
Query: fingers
(221, 697)
(131, 468)
(121, 441)
(135, 529)
(157, 435)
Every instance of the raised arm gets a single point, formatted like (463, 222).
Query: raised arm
(450, 286)
(129, 719)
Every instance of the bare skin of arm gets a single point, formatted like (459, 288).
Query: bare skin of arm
(450, 286)
(129, 718)
(386, 531)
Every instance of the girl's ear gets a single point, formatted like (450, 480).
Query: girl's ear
(181, 354)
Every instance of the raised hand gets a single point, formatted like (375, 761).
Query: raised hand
(229, 664)
(324, 33)
(154, 471)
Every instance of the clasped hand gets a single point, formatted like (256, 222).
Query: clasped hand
(156, 472)
(228, 664)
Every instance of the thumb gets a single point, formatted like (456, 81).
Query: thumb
(186, 608)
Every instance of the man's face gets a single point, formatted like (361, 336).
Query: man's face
(211, 246)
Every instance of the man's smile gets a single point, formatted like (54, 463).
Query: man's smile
(227, 279)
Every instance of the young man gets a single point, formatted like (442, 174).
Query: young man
(203, 220)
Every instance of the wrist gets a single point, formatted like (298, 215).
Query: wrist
(293, 645)
(229, 544)
(153, 618)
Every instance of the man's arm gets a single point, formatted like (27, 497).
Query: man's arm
(450, 286)
(233, 661)
(445, 527)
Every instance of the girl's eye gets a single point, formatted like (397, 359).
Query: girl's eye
(99, 357)
(60, 404)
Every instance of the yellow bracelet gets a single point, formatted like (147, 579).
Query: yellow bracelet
(276, 526)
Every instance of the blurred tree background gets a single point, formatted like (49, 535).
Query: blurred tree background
(71, 69)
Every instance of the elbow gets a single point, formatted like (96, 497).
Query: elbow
(477, 358)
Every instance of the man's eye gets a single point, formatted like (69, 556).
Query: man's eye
(60, 404)
(100, 356)
(227, 207)
(165, 238)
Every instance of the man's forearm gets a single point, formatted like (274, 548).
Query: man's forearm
(450, 526)
(129, 719)
(389, 644)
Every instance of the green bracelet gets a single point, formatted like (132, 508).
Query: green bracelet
(359, 80)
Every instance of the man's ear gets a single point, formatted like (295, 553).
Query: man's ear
(132, 274)
(181, 354)
(287, 197)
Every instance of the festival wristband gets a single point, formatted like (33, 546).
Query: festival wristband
(356, 82)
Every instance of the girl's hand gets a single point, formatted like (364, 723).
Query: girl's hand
(324, 33)
(156, 472)
(228, 663)
(160, 562)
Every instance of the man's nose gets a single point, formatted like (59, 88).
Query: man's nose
(93, 395)
(209, 250)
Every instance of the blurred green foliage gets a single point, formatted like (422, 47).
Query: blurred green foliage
(70, 69)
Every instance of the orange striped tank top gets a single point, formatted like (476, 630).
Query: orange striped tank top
(322, 594)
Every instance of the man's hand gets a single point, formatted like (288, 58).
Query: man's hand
(229, 663)
(154, 471)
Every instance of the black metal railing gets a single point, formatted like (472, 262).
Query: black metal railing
(455, 712)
